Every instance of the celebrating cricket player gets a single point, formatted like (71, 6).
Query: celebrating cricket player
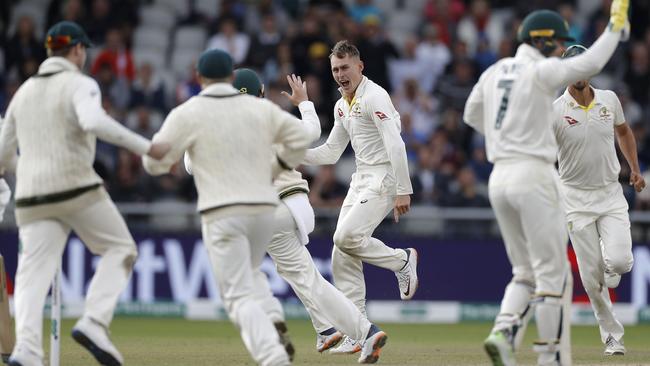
(328, 308)
(512, 106)
(586, 121)
(229, 138)
(54, 119)
(366, 117)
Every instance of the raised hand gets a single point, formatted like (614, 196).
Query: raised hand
(298, 90)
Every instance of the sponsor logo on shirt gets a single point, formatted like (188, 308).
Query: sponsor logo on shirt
(381, 115)
(340, 112)
(570, 120)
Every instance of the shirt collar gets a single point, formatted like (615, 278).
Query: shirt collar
(56, 64)
(219, 89)
(527, 51)
(573, 104)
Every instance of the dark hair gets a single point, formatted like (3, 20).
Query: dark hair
(344, 48)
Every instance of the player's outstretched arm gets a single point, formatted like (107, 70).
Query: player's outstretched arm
(175, 135)
(556, 73)
(94, 119)
(300, 99)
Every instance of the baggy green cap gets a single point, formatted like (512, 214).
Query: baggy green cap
(247, 82)
(214, 64)
(64, 34)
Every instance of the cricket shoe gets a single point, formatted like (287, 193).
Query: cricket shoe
(372, 346)
(347, 347)
(94, 337)
(24, 357)
(499, 347)
(612, 279)
(285, 340)
(614, 347)
(328, 340)
(407, 277)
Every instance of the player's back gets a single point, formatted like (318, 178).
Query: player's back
(517, 109)
(56, 154)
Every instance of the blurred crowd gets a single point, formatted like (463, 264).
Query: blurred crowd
(427, 53)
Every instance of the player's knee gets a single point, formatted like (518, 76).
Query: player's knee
(523, 276)
(621, 263)
(345, 239)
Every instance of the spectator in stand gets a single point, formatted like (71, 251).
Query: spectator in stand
(567, 11)
(128, 183)
(376, 50)
(434, 53)
(325, 190)
(148, 89)
(263, 51)
(229, 39)
(71, 10)
(420, 108)
(638, 73)
(454, 89)
(424, 178)
(116, 55)
(309, 34)
(465, 192)
(480, 23)
(189, 87)
(444, 14)
(479, 163)
(144, 121)
(485, 56)
(361, 9)
(24, 51)
(256, 14)
(100, 21)
(114, 88)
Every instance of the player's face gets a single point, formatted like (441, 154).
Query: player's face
(559, 48)
(347, 72)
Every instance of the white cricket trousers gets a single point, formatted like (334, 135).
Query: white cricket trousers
(599, 228)
(236, 246)
(370, 198)
(525, 196)
(42, 242)
(326, 305)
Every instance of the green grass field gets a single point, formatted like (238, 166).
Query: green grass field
(161, 341)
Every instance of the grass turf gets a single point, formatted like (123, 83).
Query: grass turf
(163, 341)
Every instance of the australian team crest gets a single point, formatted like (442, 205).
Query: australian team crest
(356, 110)
(604, 113)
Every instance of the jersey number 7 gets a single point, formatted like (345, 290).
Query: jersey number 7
(507, 86)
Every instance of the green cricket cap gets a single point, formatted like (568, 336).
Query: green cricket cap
(247, 82)
(65, 34)
(215, 64)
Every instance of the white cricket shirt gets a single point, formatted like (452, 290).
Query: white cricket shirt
(373, 125)
(585, 136)
(511, 103)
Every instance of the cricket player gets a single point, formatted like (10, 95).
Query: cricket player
(229, 137)
(366, 117)
(512, 106)
(294, 221)
(54, 120)
(586, 121)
